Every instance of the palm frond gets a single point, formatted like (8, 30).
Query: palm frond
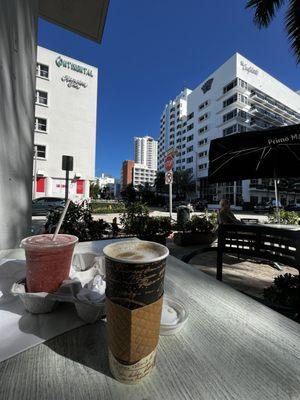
(292, 24)
(264, 11)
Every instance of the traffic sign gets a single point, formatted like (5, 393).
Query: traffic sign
(168, 162)
(169, 177)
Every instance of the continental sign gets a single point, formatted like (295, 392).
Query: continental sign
(61, 62)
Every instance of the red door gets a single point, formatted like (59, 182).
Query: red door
(80, 186)
(40, 185)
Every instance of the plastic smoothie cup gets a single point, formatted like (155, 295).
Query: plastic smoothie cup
(48, 262)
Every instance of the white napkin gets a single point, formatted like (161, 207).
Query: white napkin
(94, 293)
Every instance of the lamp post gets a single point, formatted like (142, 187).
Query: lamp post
(67, 165)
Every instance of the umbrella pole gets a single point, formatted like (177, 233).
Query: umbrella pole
(276, 199)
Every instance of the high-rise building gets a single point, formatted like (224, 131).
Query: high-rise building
(239, 96)
(145, 151)
(65, 124)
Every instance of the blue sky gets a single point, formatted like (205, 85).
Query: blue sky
(151, 49)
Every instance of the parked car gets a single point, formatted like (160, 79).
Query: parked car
(43, 205)
(293, 207)
(268, 207)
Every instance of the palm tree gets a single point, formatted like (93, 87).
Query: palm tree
(183, 183)
(265, 11)
(160, 186)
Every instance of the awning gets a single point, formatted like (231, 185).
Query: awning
(85, 17)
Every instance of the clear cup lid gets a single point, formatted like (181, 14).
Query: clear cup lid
(174, 316)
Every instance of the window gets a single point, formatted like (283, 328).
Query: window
(172, 109)
(178, 105)
(42, 70)
(178, 126)
(178, 113)
(189, 127)
(203, 166)
(172, 130)
(230, 86)
(40, 151)
(203, 105)
(189, 160)
(230, 115)
(178, 140)
(203, 154)
(243, 84)
(40, 124)
(178, 161)
(41, 97)
(233, 129)
(189, 149)
(203, 129)
(203, 117)
(242, 98)
(172, 123)
(190, 116)
(184, 124)
(202, 142)
(230, 100)
(190, 138)
(172, 116)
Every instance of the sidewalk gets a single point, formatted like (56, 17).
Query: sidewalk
(246, 276)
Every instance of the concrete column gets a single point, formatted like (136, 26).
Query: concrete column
(86, 189)
(18, 42)
(48, 191)
(246, 190)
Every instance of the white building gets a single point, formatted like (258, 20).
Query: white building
(145, 151)
(145, 161)
(105, 181)
(65, 123)
(143, 175)
(237, 97)
(18, 47)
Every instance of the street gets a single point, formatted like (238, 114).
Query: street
(38, 222)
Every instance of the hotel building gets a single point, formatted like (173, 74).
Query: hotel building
(239, 96)
(65, 124)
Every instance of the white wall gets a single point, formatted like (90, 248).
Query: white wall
(71, 116)
(18, 33)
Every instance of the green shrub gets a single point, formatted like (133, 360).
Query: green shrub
(284, 291)
(286, 218)
(79, 222)
(136, 221)
(200, 224)
(134, 218)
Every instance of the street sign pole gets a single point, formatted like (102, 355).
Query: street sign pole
(170, 200)
(169, 161)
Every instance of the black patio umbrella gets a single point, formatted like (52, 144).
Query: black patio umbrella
(272, 153)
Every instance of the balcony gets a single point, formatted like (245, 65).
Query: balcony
(267, 116)
(274, 106)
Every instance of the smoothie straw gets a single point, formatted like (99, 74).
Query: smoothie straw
(61, 220)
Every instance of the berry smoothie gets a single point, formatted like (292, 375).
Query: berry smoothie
(47, 262)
